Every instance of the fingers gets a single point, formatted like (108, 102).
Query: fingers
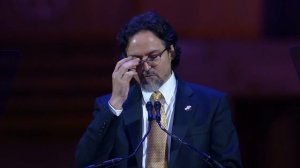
(125, 65)
(128, 75)
(124, 71)
(119, 63)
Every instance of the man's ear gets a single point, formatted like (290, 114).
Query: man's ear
(172, 52)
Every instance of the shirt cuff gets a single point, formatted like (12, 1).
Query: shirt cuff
(113, 110)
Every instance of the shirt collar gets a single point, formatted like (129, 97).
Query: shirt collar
(167, 89)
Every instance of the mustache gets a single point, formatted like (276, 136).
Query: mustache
(149, 73)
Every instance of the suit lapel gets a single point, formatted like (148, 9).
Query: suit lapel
(183, 114)
(133, 120)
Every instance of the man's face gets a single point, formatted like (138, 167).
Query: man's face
(145, 44)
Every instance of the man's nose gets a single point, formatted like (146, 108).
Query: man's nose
(146, 66)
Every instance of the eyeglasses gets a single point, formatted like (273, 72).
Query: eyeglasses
(151, 59)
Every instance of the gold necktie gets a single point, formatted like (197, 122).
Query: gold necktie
(157, 139)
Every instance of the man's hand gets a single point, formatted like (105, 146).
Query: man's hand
(121, 77)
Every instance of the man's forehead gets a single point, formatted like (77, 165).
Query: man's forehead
(144, 43)
(143, 37)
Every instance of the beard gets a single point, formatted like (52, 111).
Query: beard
(150, 81)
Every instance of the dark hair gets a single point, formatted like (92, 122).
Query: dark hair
(156, 24)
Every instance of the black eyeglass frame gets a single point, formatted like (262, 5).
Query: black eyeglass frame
(150, 59)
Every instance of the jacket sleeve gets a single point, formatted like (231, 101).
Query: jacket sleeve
(225, 145)
(97, 141)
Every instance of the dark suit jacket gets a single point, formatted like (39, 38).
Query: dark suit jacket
(207, 126)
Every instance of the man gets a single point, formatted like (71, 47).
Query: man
(198, 115)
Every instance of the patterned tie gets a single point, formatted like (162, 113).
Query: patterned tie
(157, 139)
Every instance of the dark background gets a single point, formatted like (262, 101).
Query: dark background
(58, 55)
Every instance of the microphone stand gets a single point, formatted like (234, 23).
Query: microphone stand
(118, 160)
(205, 157)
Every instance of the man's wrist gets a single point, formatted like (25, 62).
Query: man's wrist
(115, 104)
(115, 111)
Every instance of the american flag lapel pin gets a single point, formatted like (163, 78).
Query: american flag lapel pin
(188, 108)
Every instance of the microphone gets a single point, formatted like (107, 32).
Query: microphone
(149, 108)
(118, 160)
(205, 157)
(157, 106)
